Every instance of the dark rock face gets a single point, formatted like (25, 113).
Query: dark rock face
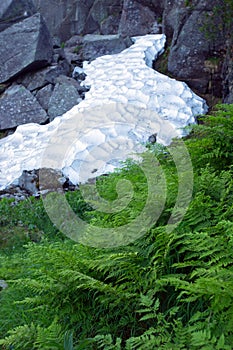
(18, 106)
(13, 11)
(104, 17)
(66, 18)
(228, 73)
(192, 51)
(23, 46)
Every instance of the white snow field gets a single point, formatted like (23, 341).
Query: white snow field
(127, 102)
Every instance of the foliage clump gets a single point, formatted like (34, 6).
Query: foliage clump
(166, 290)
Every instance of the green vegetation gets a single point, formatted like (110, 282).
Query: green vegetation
(161, 63)
(77, 49)
(166, 290)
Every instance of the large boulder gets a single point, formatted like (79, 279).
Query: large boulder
(24, 46)
(12, 11)
(18, 106)
(98, 45)
(64, 96)
(136, 19)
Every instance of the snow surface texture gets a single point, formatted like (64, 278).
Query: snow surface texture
(127, 102)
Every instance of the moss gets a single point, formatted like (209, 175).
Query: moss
(161, 64)
(77, 49)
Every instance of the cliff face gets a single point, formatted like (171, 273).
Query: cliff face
(196, 33)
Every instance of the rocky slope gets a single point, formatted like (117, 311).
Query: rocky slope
(196, 32)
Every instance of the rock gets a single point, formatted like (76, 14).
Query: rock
(59, 103)
(136, 19)
(13, 11)
(24, 46)
(3, 284)
(79, 74)
(18, 106)
(228, 73)
(43, 96)
(37, 182)
(28, 181)
(65, 19)
(36, 80)
(98, 45)
(104, 17)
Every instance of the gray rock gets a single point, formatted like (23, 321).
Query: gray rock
(18, 106)
(43, 96)
(136, 19)
(104, 17)
(13, 11)
(65, 95)
(98, 45)
(37, 182)
(3, 284)
(36, 80)
(191, 49)
(227, 73)
(64, 18)
(67, 18)
(23, 46)
(28, 181)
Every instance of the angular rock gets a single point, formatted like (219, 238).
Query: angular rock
(98, 45)
(136, 19)
(37, 182)
(104, 17)
(24, 46)
(43, 96)
(12, 11)
(18, 106)
(70, 17)
(64, 18)
(64, 97)
(37, 80)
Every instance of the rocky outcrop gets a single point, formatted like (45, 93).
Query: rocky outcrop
(24, 46)
(228, 73)
(194, 55)
(71, 17)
